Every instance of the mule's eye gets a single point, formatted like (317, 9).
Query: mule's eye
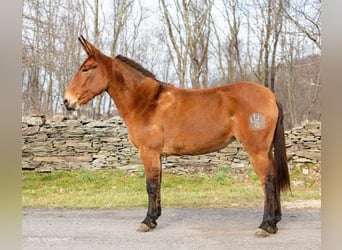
(85, 70)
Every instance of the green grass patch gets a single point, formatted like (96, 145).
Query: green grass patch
(107, 189)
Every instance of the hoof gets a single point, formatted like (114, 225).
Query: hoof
(153, 225)
(261, 233)
(272, 230)
(143, 228)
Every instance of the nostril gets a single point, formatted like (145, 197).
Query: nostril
(66, 102)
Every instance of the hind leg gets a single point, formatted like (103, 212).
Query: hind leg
(264, 167)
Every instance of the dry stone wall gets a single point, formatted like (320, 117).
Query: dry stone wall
(68, 144)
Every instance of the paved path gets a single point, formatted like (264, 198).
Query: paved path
(177, 229)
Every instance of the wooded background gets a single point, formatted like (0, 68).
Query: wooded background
(190, 43)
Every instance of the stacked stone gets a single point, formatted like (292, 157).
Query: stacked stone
(304, 144)
(68, 144)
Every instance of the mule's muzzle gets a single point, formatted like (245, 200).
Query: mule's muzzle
(70, 106)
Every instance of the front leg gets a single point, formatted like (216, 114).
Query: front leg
(153, 172)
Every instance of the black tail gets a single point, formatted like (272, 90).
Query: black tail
(280, 159)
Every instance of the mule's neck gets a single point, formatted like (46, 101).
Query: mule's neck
(132, 92)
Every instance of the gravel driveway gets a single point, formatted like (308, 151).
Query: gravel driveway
(177, 229)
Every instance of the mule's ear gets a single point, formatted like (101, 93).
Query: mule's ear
(87, 46)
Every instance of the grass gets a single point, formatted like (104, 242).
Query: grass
(107, 189)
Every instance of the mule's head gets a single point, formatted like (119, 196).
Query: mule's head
(90, 80)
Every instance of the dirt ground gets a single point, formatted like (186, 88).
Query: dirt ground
(178, 228)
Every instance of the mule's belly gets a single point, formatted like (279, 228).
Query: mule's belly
(198, 149)
(200, 129)
(194, 141)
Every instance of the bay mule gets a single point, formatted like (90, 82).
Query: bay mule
(165, 120)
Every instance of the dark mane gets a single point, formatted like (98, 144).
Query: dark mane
(136, 66)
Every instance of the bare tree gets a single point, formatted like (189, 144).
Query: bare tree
(47, 59)
(305, 15)
(197, 36)
(189, 32)
(272, 27)
(228, 50)
(277, 29)
(122, 10)
(274, 42)
(302, 71)
(174, 33)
